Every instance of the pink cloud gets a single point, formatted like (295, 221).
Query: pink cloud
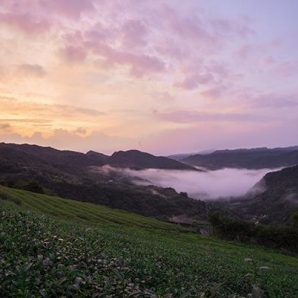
(38, 16)
(191, 30)
(140, 64)
(166, 97)
(150, 41)
(69, 8)
(25, 22)
(186, 116)
(193, 81)
(73, 53)
(101, 33)
(134, 34)
(112, 47)
(34, 70)
(214, 92)
(218, 69)
(170, 48)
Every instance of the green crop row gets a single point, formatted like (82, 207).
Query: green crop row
(125, 255)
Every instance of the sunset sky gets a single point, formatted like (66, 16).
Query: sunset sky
(162, 76)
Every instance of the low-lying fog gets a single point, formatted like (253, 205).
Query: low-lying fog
(201, 185)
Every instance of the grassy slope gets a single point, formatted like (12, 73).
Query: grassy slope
(68, 248)
(83, 212)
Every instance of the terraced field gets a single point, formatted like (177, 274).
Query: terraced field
(82, 212)
(51, 247)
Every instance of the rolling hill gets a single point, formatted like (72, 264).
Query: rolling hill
(138, 160)
(277, 200)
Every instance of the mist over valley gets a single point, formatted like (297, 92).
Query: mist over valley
(158, 186)
(203, 185)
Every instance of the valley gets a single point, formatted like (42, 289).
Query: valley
(82, 224)
(160, 187)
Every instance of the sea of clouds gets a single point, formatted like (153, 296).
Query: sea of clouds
(224, 183)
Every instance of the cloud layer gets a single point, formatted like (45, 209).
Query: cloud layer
(210, 185)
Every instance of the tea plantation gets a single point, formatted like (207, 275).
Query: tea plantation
(52, 247)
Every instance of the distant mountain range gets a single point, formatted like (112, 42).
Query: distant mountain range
(78, 176)
(14, 156)
(91, 178)
(256, 158)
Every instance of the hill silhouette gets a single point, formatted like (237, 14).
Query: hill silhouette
(256, 158)
(13, 155)
(137, 160)
(276, 200)
(79, 176)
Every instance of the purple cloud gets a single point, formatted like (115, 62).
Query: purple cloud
(193, 81)
(240, 27)
(287, 68)
(190, 29)
(270, 100)
(139, 64)
(25, 22)
(214, 92)
(73, 53)
(69, 8)
(185, 116)
(134, 34)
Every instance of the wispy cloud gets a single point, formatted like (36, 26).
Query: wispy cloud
(185, 116)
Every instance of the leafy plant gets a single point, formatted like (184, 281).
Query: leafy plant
(47, 249)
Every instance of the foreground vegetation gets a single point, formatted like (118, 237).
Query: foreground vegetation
(283, 238)
(51, 247)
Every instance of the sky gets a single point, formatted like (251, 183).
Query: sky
(161, 76)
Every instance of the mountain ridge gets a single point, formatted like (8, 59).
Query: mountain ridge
(81, 177)
(134, 159)
(273, 200)
(255, 158)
